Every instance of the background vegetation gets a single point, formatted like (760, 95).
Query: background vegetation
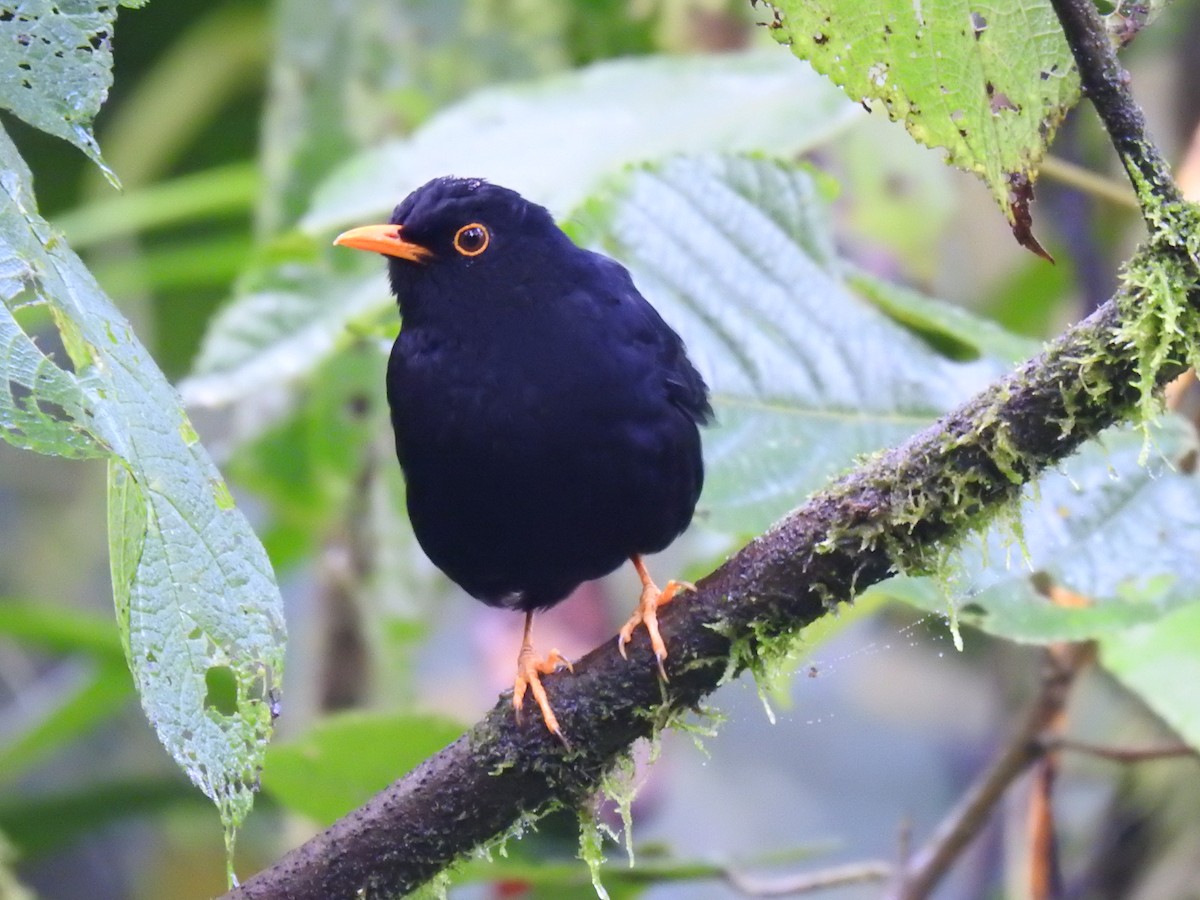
(246, 133)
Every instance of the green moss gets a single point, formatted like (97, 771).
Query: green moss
(769, 655)
(1159, 322)
(436, 888)
(591, 847)
(498, 846)
(1012, 531)
(619, 786)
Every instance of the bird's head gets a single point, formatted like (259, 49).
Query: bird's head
(456, 237)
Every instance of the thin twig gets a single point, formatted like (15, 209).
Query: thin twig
(835, 876)
(931, 862)
(1121, 754)
(1091, 183)
(1043, 877)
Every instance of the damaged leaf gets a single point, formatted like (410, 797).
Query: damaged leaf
(988, 84)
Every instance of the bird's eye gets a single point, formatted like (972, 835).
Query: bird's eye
(471, 240)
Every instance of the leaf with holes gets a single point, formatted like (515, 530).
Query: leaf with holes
(200, 615)
(57, 56)
(988, 82)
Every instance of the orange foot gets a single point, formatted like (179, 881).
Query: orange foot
(529, 668)
(647, 612)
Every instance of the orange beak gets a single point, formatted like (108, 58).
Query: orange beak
(386, 239)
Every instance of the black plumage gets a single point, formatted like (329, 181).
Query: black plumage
(546, 417)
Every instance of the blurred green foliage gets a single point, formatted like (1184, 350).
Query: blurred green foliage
(232, 125)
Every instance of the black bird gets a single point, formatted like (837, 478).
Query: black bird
(546, 417)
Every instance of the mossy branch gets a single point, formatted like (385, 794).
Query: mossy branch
(894, 513)
(897, 512)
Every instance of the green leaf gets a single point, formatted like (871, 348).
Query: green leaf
(42, 824)
(1123, 534)
(1159, 662)
(599, 118)
(10, 887)
(93, 697)
(348, 758)
(896, 205)
(193, 589)
(989, 83)
(57, 60)
(554, 139)
(281, 332)
(59, 630)
(737, 253)
(310, 466)
(227, 190)
(950, 329)
(42, 406)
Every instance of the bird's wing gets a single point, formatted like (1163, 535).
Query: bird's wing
(683, 384)
(685, 387)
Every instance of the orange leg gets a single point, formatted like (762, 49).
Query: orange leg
(647, 612)
(529, 668)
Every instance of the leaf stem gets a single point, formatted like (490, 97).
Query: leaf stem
(1106, 84)
(1098, 186)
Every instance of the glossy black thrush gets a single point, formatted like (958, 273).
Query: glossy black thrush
(546, 416)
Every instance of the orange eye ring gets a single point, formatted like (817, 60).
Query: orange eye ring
(473, 239)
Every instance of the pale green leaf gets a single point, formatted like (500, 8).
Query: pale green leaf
(1159, 662)
(10, 887)
(989, 82)
(42, 406)
(598, 119)
(738, 255)
(954, 330)
(281, 333)
(553, 139)
(1123, 534)
(345, 760)
(195, 596)
(57, 60)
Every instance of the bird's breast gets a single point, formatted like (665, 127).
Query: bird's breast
(558, 451)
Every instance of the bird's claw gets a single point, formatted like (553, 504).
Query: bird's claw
(647, 614)
(529, 670)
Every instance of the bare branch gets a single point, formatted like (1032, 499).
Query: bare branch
(1122, 754)
(930, 864)
(808, 882)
